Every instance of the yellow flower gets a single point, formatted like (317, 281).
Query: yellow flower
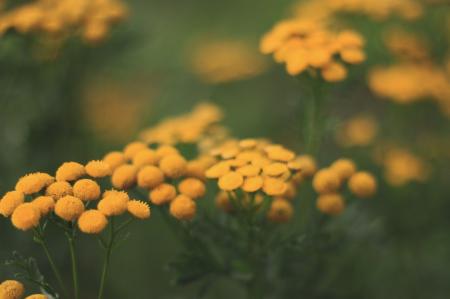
(402, 166)
(275, 169)
(133, 148)
(11, 289)
(86, 190)
(149, 177)
(223, 202)
(70, 171)
(59, 189)
(360, 130)
(252, 184)
(280, 211)
(25, 216)
(278, 153)
(166, 150)
(173, 166)
(138, 209)
(231, 181)
(37, 296)
(98, 169)
(307, 165)
(344, 168)
(362, 184)
(191, 187)
(114, 159)
(326, 181)
(248, 170)
(218, 170)
(45, 204)
(197, 168)
(34, 182)
(183, 207)
(162, 194)
(69, 208)
(114, 203)
(124, 176)
(332, 203)
(92, 222)
(10, 201)
(334, 72)
(274, 186)
(145, 157)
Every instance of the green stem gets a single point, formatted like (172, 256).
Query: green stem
(73, 259)
(107, 259)
(53, 266)
(313, 116)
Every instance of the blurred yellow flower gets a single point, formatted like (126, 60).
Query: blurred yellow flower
(124, 176)
(331, 203)
(359, 130)
(26, 216)
(362, 184)
(192, 187)
(149, 177)
(405, 45)
(10, 201)
(326, 181)
(280, 210)
(183, 207)
(162, 194)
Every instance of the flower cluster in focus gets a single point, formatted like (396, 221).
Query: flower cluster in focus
(12, 289)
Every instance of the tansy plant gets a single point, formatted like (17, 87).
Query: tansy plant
(254, 181)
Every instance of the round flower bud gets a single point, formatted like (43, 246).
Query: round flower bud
(162, 194)
(114, 159)
(25, 217)
(45, 204)
(223, 202)
(69, 208)
(362, 184)
(34, 182)
(334, 72)
(149, 177)
(86, 189)
(92, 222)
(166, 150)
(173, 166)
(37, 296)
(331, 204)
(124, 176)
(98, 169)
(138, 209)
(326, 181)
(274, 186)
(145, 157)
(307, 165)
(280, 211)
(70, 171)
(59, 189)
(133, 148)
(11, 289)
(114, 203)
(231, 181)
(183, 207)
(10, 201)
(344, 168)
(193, 188)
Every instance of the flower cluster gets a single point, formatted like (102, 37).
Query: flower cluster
(304, 44)
(225, 61)
(92, 17)
(68, 195)
(157, 171)
(187, 128)
(12, 289)
(359, 130)
(329, 181)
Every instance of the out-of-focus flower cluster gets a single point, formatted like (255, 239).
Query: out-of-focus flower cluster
(225, 61)
(359, 130)
(91, 18)
(13, 289)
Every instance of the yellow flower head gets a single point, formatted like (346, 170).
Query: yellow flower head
(274, 186)
(166, 150)
(231, 181)
(306, 164)
(86, 189)
(37, 296)
(173, 166)
(326, 181)
(197, 168)
(114, 203)
(280, 211)
(10, 201)
(360, 130)
(138, 209)
(183, 207)
(98, 169)
(124, 176)
(162, 194)
(223, 202)
(133, 148)
(114, 159)
(193, 188)
(25, 216)
(149, 177)
(331, 203)
(252, 184)
(70, 171)
(59, 189)
(145, 157)
(45, 204)
(344, 168)
(69, 208)
(34, 182)
(92, 222)
(11, 289)
(363, 184)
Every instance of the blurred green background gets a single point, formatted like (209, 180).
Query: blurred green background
(90, 100)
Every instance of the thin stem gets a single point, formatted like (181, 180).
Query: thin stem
(73, 259)
(107, 258)
(53, 266)
(313, 115)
